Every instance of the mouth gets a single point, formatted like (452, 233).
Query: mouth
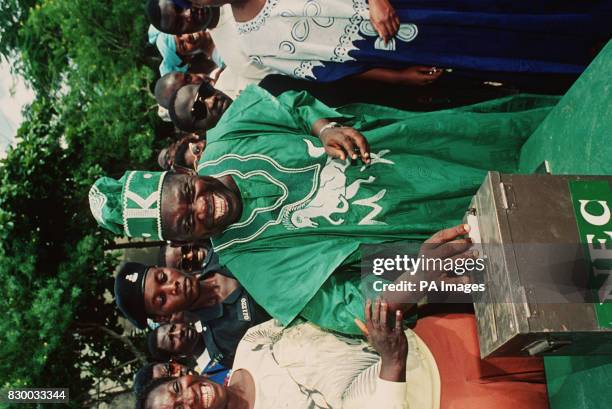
(207, 395)
(221, 207)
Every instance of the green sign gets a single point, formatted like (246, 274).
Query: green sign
(592, 202)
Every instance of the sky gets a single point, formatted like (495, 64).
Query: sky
(13, 96)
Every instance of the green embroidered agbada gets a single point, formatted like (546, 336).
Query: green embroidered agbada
(305, 214)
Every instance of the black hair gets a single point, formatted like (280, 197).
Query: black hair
(182, 125)
(156, 352)
(143, 394)
(154, 13)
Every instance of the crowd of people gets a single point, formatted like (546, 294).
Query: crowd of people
(305, 129)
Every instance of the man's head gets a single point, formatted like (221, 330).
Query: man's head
(175, 340)
(194, 43)
(188, 257)
(156, 370)
(197, 207)
(197, 107)
(188, 152)
(182, 206)
(184, 153)
(193, 392)
(167, 85)
(172, 18)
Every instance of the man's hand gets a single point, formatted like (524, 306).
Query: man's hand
(383, 18)
(389, 341)
(343, 142)
(448, 244)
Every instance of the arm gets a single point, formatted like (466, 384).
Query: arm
(384, 384)
(418, 75)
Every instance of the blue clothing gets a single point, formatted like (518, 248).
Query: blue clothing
(472, 36)
(166, 45)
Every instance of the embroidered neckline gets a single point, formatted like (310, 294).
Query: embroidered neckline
(259, 20)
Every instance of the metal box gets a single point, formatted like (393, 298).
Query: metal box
(539, 296)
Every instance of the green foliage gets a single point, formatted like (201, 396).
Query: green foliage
(94, 114)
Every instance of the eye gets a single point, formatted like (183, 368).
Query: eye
(162, 278)
(161, 299)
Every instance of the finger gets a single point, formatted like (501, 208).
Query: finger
(436, 74)
(362, 327)
(384, 308)
(335, 152)
(368, 311)
(425, 70)
(464, 279)
(453, 248)
(362, 145)
(399, 321)
(396, 23)
(376, 314)
(449, 234)
(391, 30)
(347, 144)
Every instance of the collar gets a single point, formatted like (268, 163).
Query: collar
(216, 311)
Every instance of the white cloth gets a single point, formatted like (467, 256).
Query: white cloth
(240, 71)
(294, 36)
(302, 367)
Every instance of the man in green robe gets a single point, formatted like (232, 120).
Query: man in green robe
(288, 216)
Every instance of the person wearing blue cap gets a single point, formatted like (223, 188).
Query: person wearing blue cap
(178, 51)
(212, 299)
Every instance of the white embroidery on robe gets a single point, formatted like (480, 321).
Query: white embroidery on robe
(333, 195)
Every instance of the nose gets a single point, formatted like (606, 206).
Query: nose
(189, 397)
(200, 208)
(173, 287)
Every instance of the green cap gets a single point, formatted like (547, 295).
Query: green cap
(130, 205)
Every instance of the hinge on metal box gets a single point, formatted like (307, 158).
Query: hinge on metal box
(507, 196)
(541, 346)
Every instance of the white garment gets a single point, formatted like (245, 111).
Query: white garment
(294, 36)
(302, 367)
(240, 71)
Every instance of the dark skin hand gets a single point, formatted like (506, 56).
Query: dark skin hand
(444, 244)
(342, 142)
(389, 341)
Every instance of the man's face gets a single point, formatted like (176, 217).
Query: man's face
(200, 106)
(173, 82)
(197, 207)
(187, 392)
(177, 338)
(168, 291)
(193, 153)
(176, 20)
(173, 369)
(193, 43)
(186, 258)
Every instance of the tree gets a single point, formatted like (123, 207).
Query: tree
(94, 114)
